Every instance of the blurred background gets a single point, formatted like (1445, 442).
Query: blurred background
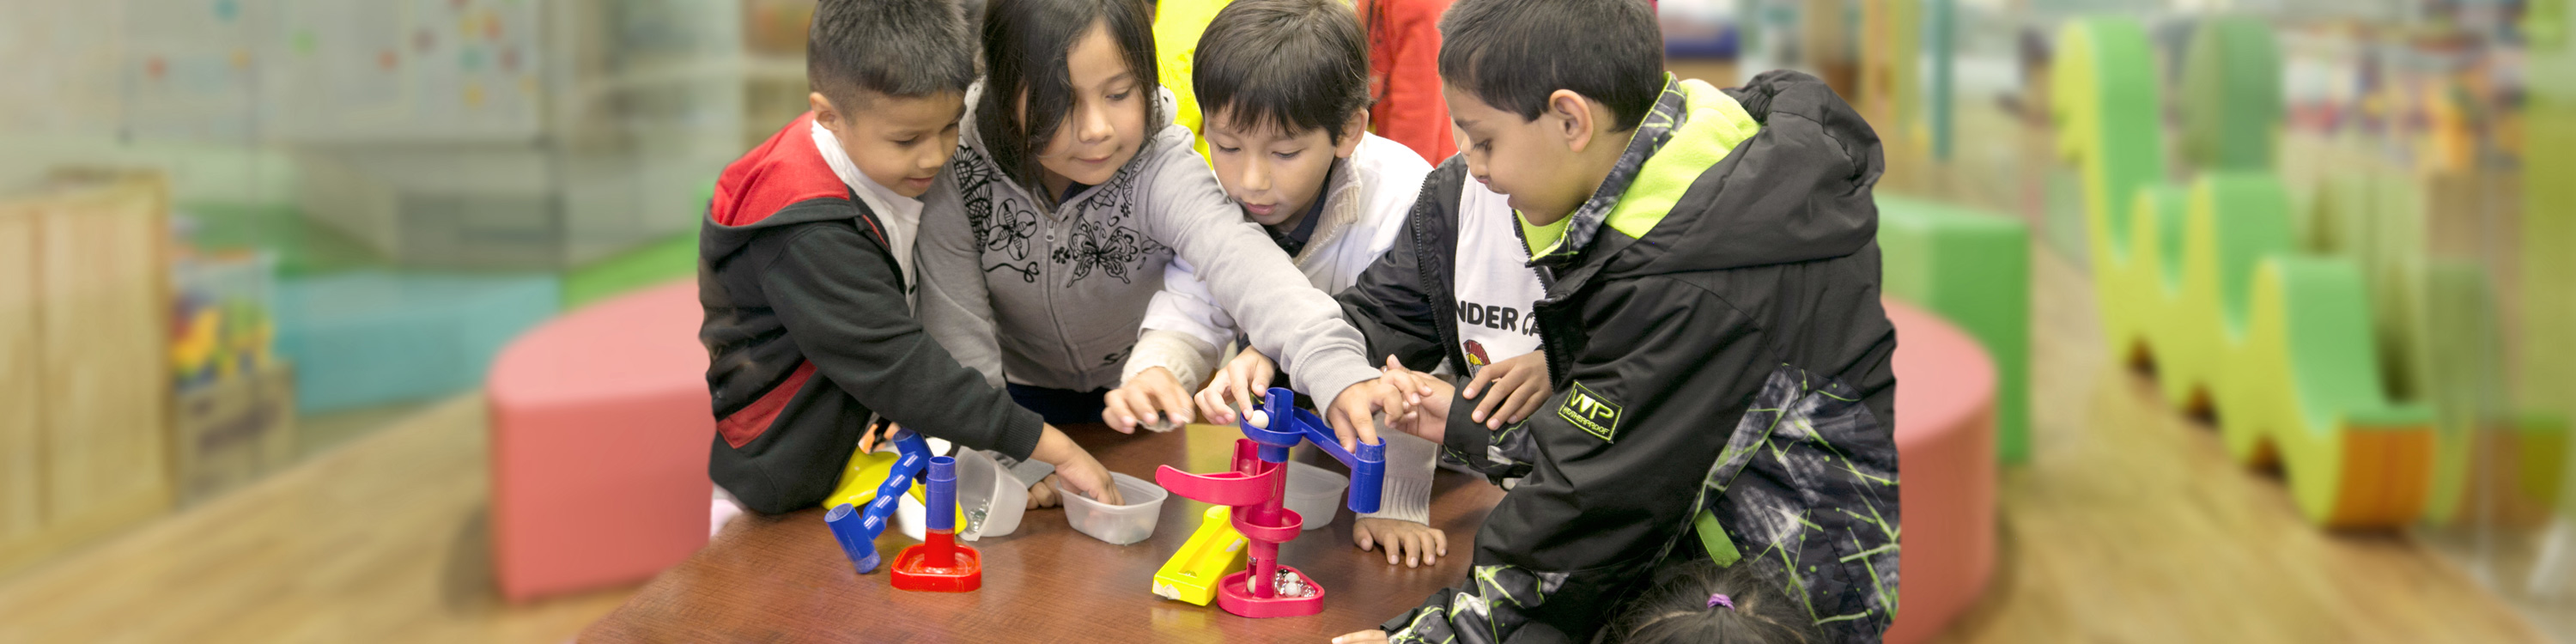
(305, 307)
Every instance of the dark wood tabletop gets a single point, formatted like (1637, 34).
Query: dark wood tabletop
(783, 578)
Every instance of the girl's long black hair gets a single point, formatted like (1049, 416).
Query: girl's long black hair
(1025, 44)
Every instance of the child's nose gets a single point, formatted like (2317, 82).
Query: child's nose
(1095, 126)
(1255, 177)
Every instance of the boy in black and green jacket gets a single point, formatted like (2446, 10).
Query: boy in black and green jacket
(1711, 324)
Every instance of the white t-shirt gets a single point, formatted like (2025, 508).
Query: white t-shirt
(900, 214)
(1497, 290)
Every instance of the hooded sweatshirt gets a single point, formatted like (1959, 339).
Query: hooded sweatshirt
(810, 337)
(1720, 364)
(1364, 199)
(1053, 294)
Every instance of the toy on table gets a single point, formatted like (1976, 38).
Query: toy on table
(1253, 491)
(938, 564)
(1212, 552)
(858, 529)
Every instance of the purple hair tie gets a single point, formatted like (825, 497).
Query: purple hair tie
(1720, 600)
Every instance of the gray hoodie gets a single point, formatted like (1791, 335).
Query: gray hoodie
(1054, 296)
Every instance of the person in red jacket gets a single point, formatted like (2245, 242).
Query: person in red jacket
(1404, 40)
(806, 274)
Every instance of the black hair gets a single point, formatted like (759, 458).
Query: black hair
(1513, 53)
(904, 48)
(1025, 46)
(1679, 609)
(1293, 65)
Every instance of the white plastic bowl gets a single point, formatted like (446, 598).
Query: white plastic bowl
(1314, 493)
(1117, 524)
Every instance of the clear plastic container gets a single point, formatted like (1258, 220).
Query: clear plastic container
(1117, 524)
(992, 498)
(1314, 493)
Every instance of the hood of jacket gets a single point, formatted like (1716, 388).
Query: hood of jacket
(1777, 171)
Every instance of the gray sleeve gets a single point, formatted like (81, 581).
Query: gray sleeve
(1254, 281)
(954, 305)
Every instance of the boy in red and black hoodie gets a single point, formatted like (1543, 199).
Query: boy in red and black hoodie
(805, 270)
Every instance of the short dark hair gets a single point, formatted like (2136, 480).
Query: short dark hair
(1681, 607)
(1513, 53)
(1025, 46)
(906, 48)
(1294, 65)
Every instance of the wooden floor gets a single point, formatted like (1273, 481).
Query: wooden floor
(383, 539)
(2129, 525)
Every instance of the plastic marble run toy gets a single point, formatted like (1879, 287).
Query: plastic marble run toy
(938, 564)
(1252, 492)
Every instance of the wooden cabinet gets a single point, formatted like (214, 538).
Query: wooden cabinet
(84, 390)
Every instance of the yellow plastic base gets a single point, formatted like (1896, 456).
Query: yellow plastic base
(1212, 552)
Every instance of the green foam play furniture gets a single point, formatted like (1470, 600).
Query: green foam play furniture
(1972, 268)
(2205, 279)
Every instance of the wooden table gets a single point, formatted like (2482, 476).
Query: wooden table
(783, 578)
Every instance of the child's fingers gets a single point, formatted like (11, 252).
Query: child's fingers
(1485, 376)
(1114, 412)
(1525, 399)
(1241, 387)
(1257, 375)
(1371, 636)
(1395, 375)
(1486, 407)
(1440, 542)
(1343, 428)
(1042, 495)
(1212, 406)
(1135, 408)
(1175, 405)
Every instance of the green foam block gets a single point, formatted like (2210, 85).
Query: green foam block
(1972, 268)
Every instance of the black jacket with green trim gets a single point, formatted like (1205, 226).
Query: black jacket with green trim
(1721, 370)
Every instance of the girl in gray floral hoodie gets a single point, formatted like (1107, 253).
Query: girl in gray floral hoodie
(1070, 196)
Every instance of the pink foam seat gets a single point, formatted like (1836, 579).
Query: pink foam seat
(1945, 450)
(600, 427)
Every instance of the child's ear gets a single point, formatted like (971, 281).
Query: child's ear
(824, 113)
(1352, 130)
(1574, 118)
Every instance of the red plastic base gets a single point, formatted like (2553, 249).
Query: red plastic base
(911, 572)
(1235, 597)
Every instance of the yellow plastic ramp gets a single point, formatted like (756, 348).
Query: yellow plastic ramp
(1213, 552)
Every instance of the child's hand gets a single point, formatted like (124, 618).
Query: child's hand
(1430, 416)
(1151, 396)
(1370, 636)
(1243, 379)
(1354, 411)
(1042, 495)
(1415, 543)
(1522, 383)
(1080, 473)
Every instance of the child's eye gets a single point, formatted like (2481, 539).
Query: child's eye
(1284, 156)
(1224, 149)
(1121, 95)
(909, 141)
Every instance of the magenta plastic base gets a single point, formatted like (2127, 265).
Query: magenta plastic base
(1235, 596)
